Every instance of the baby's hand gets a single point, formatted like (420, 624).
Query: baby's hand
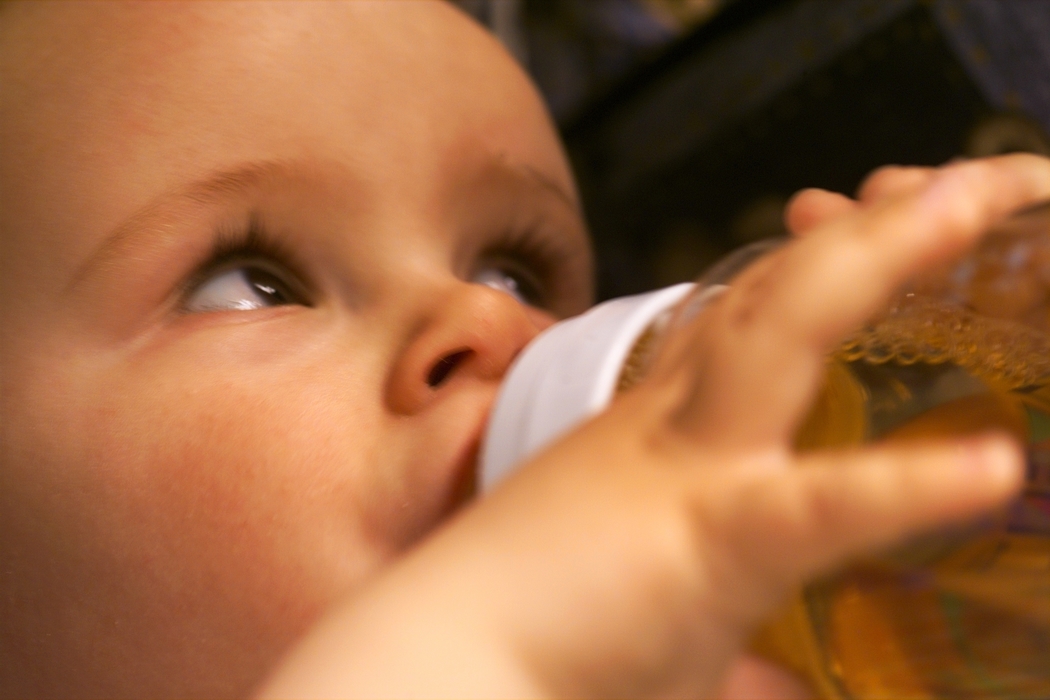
(636, 556)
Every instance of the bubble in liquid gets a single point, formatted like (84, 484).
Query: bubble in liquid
(851, 350)
(1006, 352)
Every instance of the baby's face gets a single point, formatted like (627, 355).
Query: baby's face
(262, 270)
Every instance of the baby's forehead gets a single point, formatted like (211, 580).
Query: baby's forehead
(110, 105)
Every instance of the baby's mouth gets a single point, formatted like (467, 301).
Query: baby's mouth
(465, 486)
(465, 481)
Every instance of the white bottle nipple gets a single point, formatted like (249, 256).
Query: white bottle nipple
(566, 375)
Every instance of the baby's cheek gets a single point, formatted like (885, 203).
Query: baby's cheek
(246, 488)
(189, 517)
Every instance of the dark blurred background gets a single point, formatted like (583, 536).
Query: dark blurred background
(690, 122)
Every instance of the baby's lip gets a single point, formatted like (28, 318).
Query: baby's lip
(449, 476)
(463, 485)
(465, 482)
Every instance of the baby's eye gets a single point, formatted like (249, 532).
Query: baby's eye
(518, 283)
(245, 287)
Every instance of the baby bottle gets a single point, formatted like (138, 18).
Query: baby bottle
(962, 349)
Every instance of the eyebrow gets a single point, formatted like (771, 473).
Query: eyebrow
(548, 184)
(226, 184)
(217, 186)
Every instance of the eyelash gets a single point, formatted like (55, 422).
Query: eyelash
(524, 252)
(529, 253)
(251, 244)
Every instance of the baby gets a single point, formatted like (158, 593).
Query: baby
(262, 270)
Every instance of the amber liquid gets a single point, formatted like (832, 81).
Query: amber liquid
(961, 613)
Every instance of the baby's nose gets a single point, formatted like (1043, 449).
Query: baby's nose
(470, 334)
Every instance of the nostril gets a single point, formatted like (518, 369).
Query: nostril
(439, 373)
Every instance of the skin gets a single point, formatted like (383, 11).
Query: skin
(681, 515)
(185, 495)
(212, 481)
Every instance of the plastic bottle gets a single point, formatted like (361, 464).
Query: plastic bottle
(965, 348)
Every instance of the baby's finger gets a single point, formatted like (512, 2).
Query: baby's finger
(894, 181)
(778, 531)
(834, 279)
(811, 207)
(764, 340)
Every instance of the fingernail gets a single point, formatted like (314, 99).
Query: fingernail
(944, 186)
(996, 457)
